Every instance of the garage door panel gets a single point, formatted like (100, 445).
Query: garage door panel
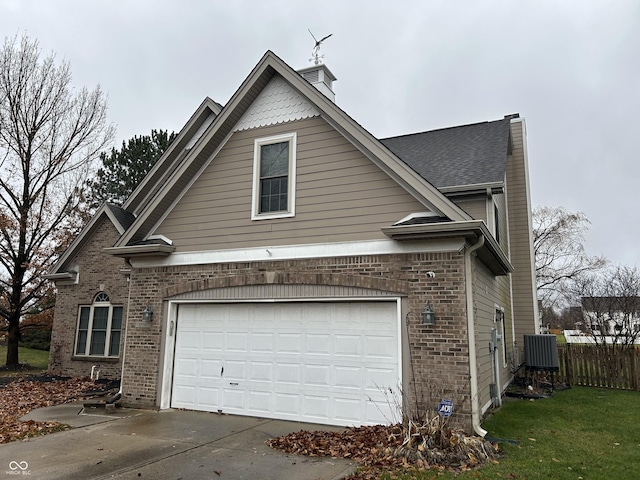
(263, 342)
(208, 398)
(381, 412)
(378, 379)
(316, 375)
(212, 341)
(319, 344)
(305, 361)
(184, 394)
(317, 406)
(260, 401)
(287, 404)
(289, 343)
(350, 345)
(210, 367)
(233, 397)
(347, 409)
(234, 370)
(288, 373)
(261, 371)
(348, 377)
(186, 367)
(382, 347)
(237, 342)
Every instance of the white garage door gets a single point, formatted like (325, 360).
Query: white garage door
(331, 363)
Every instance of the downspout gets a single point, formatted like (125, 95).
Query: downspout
(126, 331)
(473, 366)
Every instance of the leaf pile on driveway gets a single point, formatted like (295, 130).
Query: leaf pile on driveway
(391, 447)
(22, 395)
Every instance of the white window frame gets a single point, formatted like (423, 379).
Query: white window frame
(98, 302)
(291, 194)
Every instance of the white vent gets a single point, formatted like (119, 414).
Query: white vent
(320, 77)
(311, 76)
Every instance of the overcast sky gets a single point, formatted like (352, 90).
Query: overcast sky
(570, 68)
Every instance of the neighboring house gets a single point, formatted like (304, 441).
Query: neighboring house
(279, 261)
(613, 319)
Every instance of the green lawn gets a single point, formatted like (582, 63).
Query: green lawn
(581, 433)
(37, 359)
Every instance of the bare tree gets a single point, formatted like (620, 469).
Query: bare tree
(611, 305)
(50, 135)
(558, 236)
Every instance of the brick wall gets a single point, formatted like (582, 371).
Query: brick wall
(438, 364)
(98, 272)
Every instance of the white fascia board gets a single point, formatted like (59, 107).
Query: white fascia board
(295, 252)
(493, 187)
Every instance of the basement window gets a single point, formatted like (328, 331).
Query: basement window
(99, 328)
(274, 177)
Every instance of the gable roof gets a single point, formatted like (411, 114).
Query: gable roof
(173, 156)
(421, 163)
(215, 136)
(473, 154)
(119, 218)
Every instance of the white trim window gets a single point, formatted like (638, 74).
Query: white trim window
(99, 328)
(274, 177)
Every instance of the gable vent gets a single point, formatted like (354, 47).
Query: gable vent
(320, 77)
(311, 76)
(541, 353)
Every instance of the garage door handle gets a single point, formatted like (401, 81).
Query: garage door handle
(233, 383)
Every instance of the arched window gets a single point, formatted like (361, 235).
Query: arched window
(99, 328)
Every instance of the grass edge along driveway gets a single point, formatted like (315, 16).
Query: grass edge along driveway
(581, 433)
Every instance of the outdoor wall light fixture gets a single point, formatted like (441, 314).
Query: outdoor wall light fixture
(147, 313)
(428, 315)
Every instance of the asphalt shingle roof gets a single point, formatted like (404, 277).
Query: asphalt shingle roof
(122, 216)
(456, 156)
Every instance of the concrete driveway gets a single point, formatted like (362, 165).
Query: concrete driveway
(167, 444)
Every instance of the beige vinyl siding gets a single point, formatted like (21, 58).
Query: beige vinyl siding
(340, 196)
(475, 206)
(520, 245)
(489, 292)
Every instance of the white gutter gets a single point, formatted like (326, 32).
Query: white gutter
(473, 366)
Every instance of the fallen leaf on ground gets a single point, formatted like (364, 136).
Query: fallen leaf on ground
(20, 396)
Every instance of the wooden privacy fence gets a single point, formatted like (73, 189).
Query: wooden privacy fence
(599, 366)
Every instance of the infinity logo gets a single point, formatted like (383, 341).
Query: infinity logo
(13, 465)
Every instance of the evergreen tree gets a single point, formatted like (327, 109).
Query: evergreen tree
(122, 170)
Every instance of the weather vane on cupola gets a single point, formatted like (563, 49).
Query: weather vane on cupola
(315, 53)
